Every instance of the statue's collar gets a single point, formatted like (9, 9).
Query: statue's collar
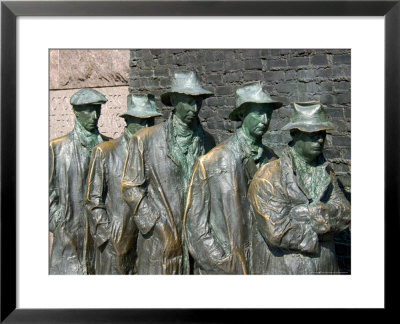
(249, 147)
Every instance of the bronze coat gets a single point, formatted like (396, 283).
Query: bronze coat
(217, 214)
(68, 169)
(106, 207)
(284, 241)
(153, 186)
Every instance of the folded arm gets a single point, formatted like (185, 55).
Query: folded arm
(280, 223)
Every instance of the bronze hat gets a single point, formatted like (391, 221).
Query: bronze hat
(187, 83)
(308, 117)
(87, 97)
(141, 106)
(252, 93)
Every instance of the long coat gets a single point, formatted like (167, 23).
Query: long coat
(107, 209)
(286, 239)
(217, 213)
(153, 184)
(68, 168)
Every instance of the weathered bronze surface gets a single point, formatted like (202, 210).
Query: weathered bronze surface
(297, 203)
(111, 222)
(68, 167)
(156, 172)
(163, 200)
(217, 217)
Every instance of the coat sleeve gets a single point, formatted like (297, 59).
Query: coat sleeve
(279, 222)
(203, 246)
(134, 187)
(95, 205)
(54, 209)
(337, 208)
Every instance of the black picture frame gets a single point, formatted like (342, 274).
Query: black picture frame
(10, 10)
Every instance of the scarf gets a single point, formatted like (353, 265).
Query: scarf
(313, 177)
(254, 153)
(86, 138)
(188, 145)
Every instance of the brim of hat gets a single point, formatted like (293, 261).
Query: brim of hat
(166, 100)
(309, 128)
(235, 114)
(99, 103)
(144, 115)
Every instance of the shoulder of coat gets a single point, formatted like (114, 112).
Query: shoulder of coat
(59, 141)
(106, 147)
(221, 155)
(147, 133)
(269, 170)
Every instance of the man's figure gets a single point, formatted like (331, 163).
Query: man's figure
(69, 162)
(297, 202)
(110, 219)
(217, 219)
(157, 169)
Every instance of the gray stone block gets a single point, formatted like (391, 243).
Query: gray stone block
(341, 59)
(319, 60)
(253, 64)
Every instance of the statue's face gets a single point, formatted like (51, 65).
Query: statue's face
(257, 119)
(309, 145)
(186, 107)
(88, 116)
(134, 124)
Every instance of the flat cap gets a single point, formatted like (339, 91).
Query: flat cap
(87, 97)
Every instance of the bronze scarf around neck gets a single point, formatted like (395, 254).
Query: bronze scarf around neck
(313, 178)
(87, 139)
(187, 145)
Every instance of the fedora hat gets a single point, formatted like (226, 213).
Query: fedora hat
(87, 97)
(141, 106)
(186, 83)
(308, 117)
(252, 93)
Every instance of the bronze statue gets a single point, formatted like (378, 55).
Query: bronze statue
(110, 219)
(156, 172)
(297, 202)
(217, 217)
(69, 162)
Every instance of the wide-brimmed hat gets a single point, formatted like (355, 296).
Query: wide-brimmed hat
(187, 83)
(87, 97)
(308, 117)
(252, 93)
(141, 106)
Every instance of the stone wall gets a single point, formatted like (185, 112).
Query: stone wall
(289, 75)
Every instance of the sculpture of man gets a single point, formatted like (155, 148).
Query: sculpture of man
(217, 218)
(69, 162)
(157, 169)
(297, 202)
(110, 220)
